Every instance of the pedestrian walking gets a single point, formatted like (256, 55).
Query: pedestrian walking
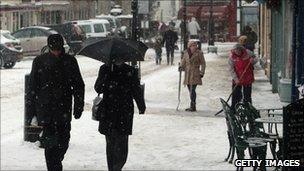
(172, 23)
(162, 28)
(241, 69)
(119, 84)
(243, 41)
(194, 65)
(170, 38)
(193, 29)
(158, 49)
(54, 81)
(252, 38)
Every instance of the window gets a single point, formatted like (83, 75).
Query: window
(98, 28)
(8, 36)
(86, 28)
(22, 34)
(108, 27)
(37, 33)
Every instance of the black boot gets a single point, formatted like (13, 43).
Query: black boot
(192, 108)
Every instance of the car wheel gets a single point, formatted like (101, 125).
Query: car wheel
(9, 65)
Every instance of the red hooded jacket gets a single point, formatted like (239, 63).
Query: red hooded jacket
(241, 68)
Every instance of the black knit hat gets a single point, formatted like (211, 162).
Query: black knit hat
(55, 42)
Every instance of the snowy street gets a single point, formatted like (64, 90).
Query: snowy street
(163, 138)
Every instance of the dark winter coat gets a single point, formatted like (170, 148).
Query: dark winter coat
(252, 39)
(169, 39)
(53, 81)
(158, 45)
(119, 87)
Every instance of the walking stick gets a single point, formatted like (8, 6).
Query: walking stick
(179, 87)
(234, 88)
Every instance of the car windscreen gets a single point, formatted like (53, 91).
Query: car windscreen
(8, 36)
(86, 28)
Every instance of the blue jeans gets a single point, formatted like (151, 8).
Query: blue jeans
(192, 92)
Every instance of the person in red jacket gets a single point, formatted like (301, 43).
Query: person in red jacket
(241, 63)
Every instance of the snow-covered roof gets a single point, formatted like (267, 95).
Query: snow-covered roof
(118, 10)
(39, 27)
(4, 31)
(52, 3)
(104, 16)
(124, 16)
(253, 4)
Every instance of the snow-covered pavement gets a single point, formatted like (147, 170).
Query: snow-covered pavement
(163, 138)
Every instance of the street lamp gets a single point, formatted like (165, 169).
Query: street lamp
(134, 6)
(211, 47)
(185, 24)
(211, 36)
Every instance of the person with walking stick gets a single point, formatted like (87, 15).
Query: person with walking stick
(241, 63)
(194, 65)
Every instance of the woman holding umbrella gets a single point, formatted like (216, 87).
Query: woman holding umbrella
(119, 83)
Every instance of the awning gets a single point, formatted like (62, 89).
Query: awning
(203, 12)
(17, 7)
(53, 5)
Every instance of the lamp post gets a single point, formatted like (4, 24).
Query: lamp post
(211, 36)
(185, 24)
(211, 47)
(135, 20)
(134, 6)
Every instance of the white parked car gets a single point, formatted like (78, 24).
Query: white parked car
(95, 28)
(114, 22)
(34, 39)
(10, 50)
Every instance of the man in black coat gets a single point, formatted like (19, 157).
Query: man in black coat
(170, 38)
(252, 38)
(119, 84)
(54, 79)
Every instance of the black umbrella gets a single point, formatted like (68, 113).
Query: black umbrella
(115, 49)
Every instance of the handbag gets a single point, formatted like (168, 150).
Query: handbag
(98, 108)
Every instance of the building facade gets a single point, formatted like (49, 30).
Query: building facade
(16, 14)
(281, 46)
(224, 17)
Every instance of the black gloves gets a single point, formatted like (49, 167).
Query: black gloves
(77, 114)
(180, 69)
(142, 111)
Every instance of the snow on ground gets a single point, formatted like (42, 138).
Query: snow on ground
(163, 138)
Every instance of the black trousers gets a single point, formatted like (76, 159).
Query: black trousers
(192, 93)
(117, 150)
(170, 55)
(55, 139)
(241, 92)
